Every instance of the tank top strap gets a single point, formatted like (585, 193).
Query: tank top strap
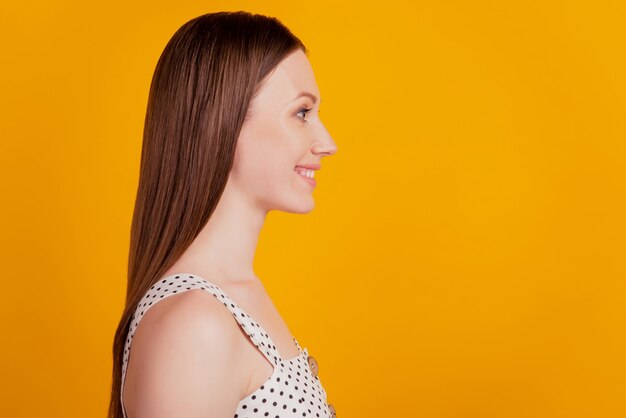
(178, 283)
(252, 328)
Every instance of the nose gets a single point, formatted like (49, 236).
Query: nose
(324, 145)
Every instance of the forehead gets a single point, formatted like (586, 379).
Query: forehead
(291, 76)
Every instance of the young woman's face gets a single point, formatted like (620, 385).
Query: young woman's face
(282, 132)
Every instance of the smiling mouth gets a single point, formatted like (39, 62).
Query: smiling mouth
(305, 172)
(306, 175)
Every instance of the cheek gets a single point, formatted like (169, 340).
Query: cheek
(266, 155)
(260, 164)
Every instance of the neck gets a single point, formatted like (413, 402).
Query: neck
(225, 248)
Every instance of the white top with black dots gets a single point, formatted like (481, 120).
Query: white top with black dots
(293, 389)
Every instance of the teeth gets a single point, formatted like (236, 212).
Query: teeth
(306, 173)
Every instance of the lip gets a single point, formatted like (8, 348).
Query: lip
(311, 181)
(310, 166)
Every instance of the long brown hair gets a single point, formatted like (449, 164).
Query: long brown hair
(203, 83)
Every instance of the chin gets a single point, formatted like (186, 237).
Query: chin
(298, 206)
(305, 210)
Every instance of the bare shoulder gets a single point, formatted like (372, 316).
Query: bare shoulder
(184, 360)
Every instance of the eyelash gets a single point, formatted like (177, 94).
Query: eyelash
(305, 110)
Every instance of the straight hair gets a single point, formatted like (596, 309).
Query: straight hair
(201, 89)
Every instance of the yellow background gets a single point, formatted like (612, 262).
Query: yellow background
(466, 254)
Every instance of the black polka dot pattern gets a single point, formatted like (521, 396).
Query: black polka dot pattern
(292, 390)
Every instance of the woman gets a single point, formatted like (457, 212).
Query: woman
(231, 132)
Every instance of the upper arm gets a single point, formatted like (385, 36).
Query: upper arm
(183, 360)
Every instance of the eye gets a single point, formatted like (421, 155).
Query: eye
(305, 111)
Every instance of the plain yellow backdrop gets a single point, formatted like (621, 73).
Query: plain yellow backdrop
(466, 256)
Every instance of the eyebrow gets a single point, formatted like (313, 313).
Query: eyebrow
(307, 94)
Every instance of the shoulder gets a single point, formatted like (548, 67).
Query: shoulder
(195, 312)
(183, 359)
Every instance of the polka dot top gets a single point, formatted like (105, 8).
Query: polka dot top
(294, 388)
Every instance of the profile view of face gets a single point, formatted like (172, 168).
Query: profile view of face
(283, 131)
